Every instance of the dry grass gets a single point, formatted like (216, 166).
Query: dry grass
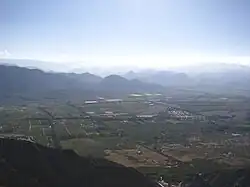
(131, 158)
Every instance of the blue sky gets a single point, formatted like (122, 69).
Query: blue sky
(144, 33)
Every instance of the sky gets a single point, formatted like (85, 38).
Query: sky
(136, 33)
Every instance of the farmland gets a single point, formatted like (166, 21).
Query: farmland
(153, 133)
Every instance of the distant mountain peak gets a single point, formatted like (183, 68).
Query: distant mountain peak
(115, 77)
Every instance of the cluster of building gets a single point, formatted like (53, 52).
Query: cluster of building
(18, 137)
(183, 115)
(103, 101)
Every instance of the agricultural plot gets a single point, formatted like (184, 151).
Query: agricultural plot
(115, 129)
(63, 111)
(75, 128)
(61, 131)
(91, 146)
(140, 157)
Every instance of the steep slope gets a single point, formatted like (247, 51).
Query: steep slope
(17, 79)
(25, 164)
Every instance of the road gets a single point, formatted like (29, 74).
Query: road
(30, 125)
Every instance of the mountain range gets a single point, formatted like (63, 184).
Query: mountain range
(16, 82)
(164, 78)
(34, 84)
(220, 77)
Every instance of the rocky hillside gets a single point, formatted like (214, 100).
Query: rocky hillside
(23, 163)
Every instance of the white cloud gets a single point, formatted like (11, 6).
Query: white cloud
(160, 61)
(5, 53)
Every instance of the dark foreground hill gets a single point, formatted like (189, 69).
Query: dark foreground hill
(24, 164)
(27, 164)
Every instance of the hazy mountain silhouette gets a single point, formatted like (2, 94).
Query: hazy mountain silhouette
(120, 83)
(34, 64)
(24, 83)
(33, 83)
(86, 77)
(164, 78)
(211, 76)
